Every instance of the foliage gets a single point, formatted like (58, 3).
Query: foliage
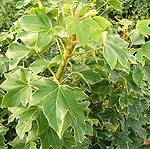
(71, 78)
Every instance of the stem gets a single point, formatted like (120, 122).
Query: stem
(66, 78)
(60, 50)
(48, 67)
(102, 6)
(63, 64)
(79, 53)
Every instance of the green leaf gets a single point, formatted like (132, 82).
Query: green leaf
(47, 135)
(3, 128)
(89, 129)
(130, 84)
(38, 66)
(3, 59)
(50, 138)
(146, 50)
(146, 69)
(83, 145)
(112, 116)
(101, 21)
(17, 51)
(138, 75)
(33, 133)
(56, 100)
(28, 38)
(137, 38)
(40, 23)
(83, 29)
(68, 140)
(77, 121)
(136, 126)
(3, 36)
(25, 120)
(122, 140)
(143, 27)
(17, 85)
(109, 126)
(18, 143)
(86, 73)
(115, 4)
(103, 88)
(31, 145)
(113, 53)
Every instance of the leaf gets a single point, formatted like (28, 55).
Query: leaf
(143, 27)
(146, 69)
(50, 138)
(89, 129)
(3, 128)
(3, 59)
(31, 145)
(40, 23)
(113, 53)
(18, 143)
(77, 121)
(146, 50)
(28, 38)
(69, 141)
(17, 85)
(136, 126)
(25, 120)
(130, 84)
(103, 88)
(138, 75)
(137, 38)
(83, 145)
(38, 66)
(3, 36)
(109, 126)
(56, 100)
(86, 73)
(112, 116)
(17, 51)
(33, 133)
(101, 21)
(115, 4)
(83, 29)
(122, 140)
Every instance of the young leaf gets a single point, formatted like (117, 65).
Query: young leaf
(83, 29)
(56, 100)
(40, 23)
(17, 85)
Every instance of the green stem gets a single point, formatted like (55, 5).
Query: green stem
(90, 51)
(66, 78)
(48, 67)
(60, 50)
(102, 6)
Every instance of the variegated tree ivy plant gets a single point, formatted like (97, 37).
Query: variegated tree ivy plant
(71, 81)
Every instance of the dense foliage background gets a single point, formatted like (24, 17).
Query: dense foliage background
(74, 74)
